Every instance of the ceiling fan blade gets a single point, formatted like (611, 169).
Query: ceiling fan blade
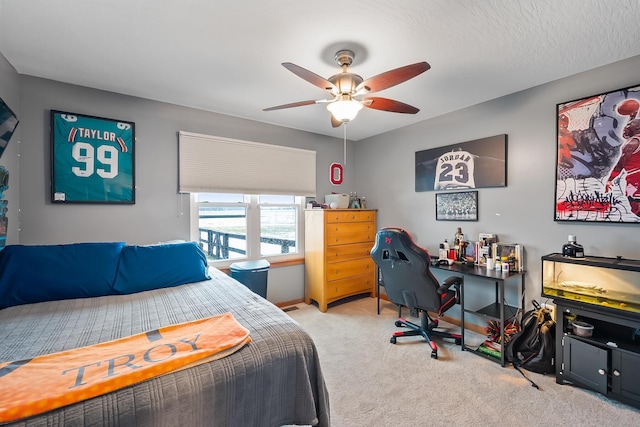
(312, 78)
(391, 105)
(335, 122)
(392, 77)
(293, 104)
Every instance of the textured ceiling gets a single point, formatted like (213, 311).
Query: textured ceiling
(225, 55)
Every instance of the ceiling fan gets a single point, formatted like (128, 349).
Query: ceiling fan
(350, 91)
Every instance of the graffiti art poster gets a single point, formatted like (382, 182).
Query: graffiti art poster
(598, 158)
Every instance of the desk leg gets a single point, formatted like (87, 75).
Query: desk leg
(462, 313)
(522, 290)
(500, 286)
(378, 292)
(378, 287)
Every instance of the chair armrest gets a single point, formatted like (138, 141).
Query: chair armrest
(454, 281)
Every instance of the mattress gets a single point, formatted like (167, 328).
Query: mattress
(274, 380)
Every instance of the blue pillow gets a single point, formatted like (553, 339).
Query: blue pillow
(36, 273)
(143, 268)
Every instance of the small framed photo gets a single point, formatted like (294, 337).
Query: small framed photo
(458, 206)
(92, 159)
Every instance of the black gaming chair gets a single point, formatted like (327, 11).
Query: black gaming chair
(405, 275)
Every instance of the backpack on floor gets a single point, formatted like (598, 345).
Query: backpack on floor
(534, 347)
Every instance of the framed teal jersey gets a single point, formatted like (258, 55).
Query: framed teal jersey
(92, 159)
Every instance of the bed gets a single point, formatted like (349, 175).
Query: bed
(274, 380)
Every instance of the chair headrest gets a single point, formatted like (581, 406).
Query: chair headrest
(399, 239)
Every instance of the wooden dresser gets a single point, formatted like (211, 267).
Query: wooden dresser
(338, 263)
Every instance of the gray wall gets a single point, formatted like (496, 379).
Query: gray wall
(159, 212)
(381, 168)
(9, 92)
(523, 211)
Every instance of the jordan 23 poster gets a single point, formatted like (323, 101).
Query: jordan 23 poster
(479, 163)
(92, 159)
(598, 158)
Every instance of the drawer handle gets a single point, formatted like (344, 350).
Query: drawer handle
(602, 372)
(616, 373)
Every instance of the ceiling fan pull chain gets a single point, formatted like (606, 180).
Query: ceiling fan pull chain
(345, 144)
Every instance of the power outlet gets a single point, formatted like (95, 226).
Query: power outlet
(551, 308)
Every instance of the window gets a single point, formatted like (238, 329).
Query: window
(278, 225)
(234, 227)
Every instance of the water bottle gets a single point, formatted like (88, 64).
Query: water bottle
(447, 248)
(442, 252)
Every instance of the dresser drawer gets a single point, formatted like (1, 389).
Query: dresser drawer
(345, 233)
(350, 286)
(340, 270)
(349, 216)
(339, 253)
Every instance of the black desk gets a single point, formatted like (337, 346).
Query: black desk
(495, 310)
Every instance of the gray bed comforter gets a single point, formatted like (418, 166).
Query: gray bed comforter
(274, 380)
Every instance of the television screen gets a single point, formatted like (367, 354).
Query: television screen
(8, 124)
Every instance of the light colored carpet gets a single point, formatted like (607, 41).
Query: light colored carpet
(372, 382)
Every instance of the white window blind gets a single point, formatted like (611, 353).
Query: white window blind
(212, 164)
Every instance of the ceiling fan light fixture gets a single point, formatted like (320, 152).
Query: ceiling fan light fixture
(347, 89)
(344, 110)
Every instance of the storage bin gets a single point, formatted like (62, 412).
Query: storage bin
(582, 329)
(252, 274)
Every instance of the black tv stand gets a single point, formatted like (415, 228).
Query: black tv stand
(608, 361)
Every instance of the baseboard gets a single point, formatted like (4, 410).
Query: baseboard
(470, 326)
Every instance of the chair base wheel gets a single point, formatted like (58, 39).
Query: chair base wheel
(398, 324)
(392, 340)
(434, 354)
(458, 341)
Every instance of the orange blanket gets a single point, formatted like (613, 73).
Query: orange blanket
(30, 387)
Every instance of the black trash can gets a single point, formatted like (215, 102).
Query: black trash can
(252, 274)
